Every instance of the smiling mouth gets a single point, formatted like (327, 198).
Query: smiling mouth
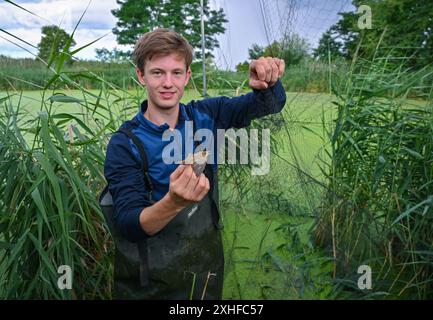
(167, 95)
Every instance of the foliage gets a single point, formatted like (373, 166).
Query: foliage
(403, 25)
(291, 48)
(255, 51)
(242, 66)
(378, 209)
(136, 17)
(28, 74)
(47, 203)
(51, 174)
(113, 56)
(53, 42)
(329, 47)
(50, 177)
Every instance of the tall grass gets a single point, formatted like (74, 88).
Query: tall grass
(49, 213)
(51, 172)
(31, 74)
(313, 76)
(378, 210)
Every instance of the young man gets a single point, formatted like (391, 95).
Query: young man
(166, 221)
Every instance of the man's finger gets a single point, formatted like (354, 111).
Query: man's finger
(201, 183)
(205, 190)
(176, 173)
(268, 69)
(281, 66)
(275, 73)
(259, 70)
(257, 84)
(191, 185)
(186, 176)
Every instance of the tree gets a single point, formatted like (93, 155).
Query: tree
(136, 17)
(401, 27)
(295, 49)
(291, 48)
(115, 55)
(54, 40)
(328, 46)
(256, 51)
(242, 66)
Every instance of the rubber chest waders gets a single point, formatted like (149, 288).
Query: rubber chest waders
(184, 260)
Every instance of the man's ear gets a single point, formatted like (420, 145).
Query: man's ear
(140, 76)
(188, 75)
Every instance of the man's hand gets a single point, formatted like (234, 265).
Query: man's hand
(265, 72)
(185, 187)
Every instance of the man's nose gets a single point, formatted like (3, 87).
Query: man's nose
(168, 81)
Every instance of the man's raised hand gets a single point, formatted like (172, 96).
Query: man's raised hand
(265, 72)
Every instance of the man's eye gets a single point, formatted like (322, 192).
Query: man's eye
(156, 73)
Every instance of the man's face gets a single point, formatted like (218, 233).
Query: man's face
(165, 77)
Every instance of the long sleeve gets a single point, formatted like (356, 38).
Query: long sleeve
(238, 112)
(125, 177)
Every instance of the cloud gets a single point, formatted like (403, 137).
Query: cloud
(81, 37)
(59, 12)
(29, 35)
(96, 22)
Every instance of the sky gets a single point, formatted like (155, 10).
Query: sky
(250, 21)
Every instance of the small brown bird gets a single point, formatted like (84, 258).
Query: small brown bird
(198, 161)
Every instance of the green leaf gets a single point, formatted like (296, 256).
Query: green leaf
(5, 245)
(48, 264)
(67, 116)
(413, 153)
(40, 205)
(22, 8)
(88, 44)
(428, 202)
(13, 36)
(64, 99)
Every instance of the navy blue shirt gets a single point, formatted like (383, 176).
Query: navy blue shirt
(123, 165)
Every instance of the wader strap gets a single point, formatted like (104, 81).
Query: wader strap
(142, 245)
(140, 148)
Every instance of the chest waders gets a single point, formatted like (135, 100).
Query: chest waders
(185, 260)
